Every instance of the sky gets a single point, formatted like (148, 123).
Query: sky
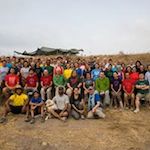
(97, 26)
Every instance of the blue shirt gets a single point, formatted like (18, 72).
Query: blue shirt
(93, 99)
(36, 100)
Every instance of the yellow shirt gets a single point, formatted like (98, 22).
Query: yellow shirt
(67, 73)
(18, 100)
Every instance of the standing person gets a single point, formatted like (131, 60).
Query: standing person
(17, 103)
(77, 105)
(142, 69)
(95, 72)
(134, 75)
(46, 85)
(58, 68)
(142, 87)
(109, 72)
(38, 71)
(61, 101)
(67, 72)
(137, 65)
(49, 67)
(3, 72)
(128, 88)
(94, 105)
(147, 74)
(36, 106)
(102, 85)
(116, 90)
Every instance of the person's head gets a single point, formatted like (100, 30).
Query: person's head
(36, 94)
(12, 70)
(60, 90)
(115, 75)
(31, 71)
(4, 63)
(138, 63)
(127, 75)
(102, 75)
(134, 69)
(68, 66)
(19, 90)
(109, 67)
(91, 90)
(141, 67)
(58, 72)
(45, 73)
(76, 91)
(74, 73)
(76, 65)
(48, 62)
(141, 76)
(148, 67)
(25, 64)
(96, 66)
(88, 75)
(128, 69)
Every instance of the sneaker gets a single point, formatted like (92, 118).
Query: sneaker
(27, 120)
(2, 120)
(136, 110)
(63, 119)
(32, 121)
(82, 117)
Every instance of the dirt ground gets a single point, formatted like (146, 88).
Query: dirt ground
(119, 131)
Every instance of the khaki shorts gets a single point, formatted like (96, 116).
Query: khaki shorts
(145, 96)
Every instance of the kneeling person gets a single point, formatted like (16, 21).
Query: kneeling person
(17, 103)
(94, 109)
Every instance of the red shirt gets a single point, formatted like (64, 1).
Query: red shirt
(12, 80)
(128, 85)
(134, 76)
(46, 80)
(31, 80)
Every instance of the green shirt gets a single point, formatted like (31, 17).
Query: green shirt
(143, 82)
(50, 69)
(102, 84)
(59, 80)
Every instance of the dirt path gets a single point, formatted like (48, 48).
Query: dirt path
(119, 131)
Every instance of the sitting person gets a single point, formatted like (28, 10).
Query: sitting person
(17, 103)
(73, 82)
(77, 105)
(11, 81)
(63, 107)
(31, 82)
(102, 85)
(36, 106)
(128, 88)
(58, 80)
(116, 90)
(46, 84)
(88, 81)
(94, 103)
(142, 87)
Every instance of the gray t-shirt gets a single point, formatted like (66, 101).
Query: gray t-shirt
(61, 101)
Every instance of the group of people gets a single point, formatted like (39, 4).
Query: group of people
(62, 87)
